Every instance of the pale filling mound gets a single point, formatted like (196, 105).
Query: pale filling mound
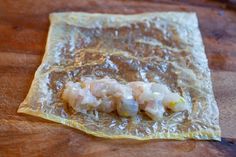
(108, 95)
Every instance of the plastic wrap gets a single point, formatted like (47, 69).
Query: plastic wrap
(161, 47)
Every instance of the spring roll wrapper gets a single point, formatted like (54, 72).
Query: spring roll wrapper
(164, 47)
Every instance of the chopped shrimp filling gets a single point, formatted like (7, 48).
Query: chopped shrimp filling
(108, 95)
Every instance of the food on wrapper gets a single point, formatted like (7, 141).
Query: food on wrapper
(107, 95)
(125, 76)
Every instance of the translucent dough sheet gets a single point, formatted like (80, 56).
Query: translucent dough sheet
(163, 47)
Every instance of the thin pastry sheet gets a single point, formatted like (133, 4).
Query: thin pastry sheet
(163, 47)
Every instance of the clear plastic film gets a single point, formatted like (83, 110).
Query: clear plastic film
(157, 47)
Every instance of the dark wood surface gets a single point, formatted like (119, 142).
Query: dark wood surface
(23, 31)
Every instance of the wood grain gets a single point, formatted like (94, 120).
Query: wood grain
(23, 33)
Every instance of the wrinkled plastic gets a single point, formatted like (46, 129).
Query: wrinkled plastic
(159, 47)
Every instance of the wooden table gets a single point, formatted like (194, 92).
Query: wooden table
(23, 32)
